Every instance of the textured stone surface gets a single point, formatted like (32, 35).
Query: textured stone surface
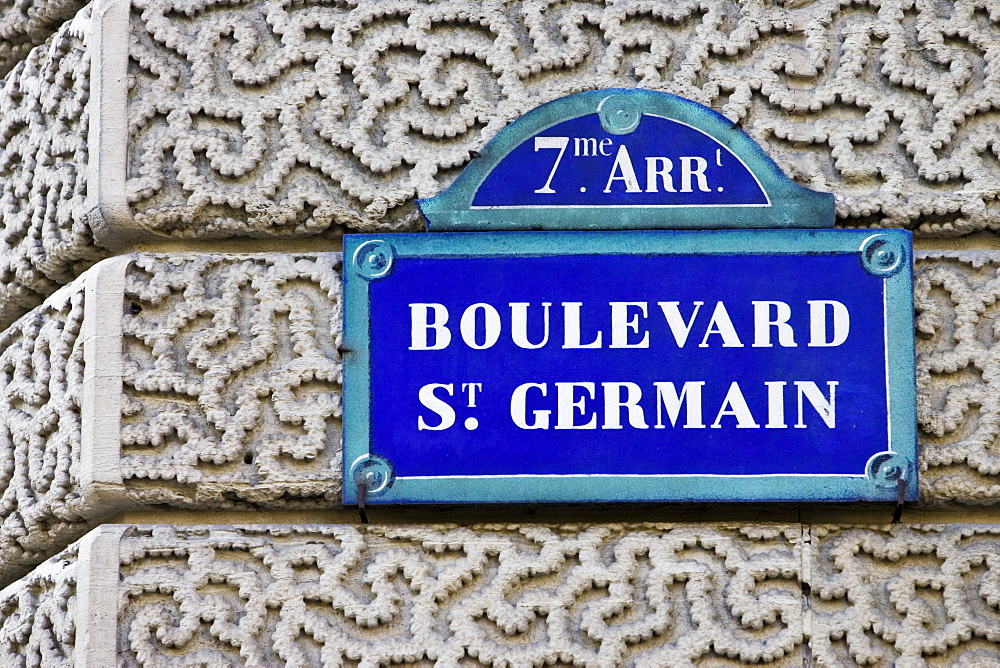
(904, 595)
(41, 376)
(260, 118)
(958, 376)
(45, 238)
(513, 595)
(249, 119)
(38, 615)
(27, 23)
(227, 381)
(613, 595)
(232, 380)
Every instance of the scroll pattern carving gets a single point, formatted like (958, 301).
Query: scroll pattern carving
(609, 595)
(24, 25)
(601, 595)
(38, 617)
(958, 397)
(256, 117)
(45, 239)
(232, 379)
(41, 374)
(905, 595)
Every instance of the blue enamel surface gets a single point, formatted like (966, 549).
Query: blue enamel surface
(592, 180)
(496, 461)
(524, 179)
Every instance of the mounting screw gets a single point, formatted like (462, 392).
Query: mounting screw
(882, 256)
(886, 469)
(619, 114)
(374, 472)
(374, 259)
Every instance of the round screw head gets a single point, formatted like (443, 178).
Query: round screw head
(619, 114)
(882, 255)
(374, 259)
(375, 472)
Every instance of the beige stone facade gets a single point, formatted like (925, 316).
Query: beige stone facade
(174, 181)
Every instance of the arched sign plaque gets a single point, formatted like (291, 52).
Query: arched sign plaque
(624, 159)
(601, 336)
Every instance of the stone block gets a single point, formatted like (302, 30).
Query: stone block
(213, 382)
(247, 120)
(45, 235)
(629, 594)
(26, 24)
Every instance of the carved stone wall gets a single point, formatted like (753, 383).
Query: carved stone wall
(232, 380)
(491, 595)
(38, 615)
(504, 595)
(45, 238)
(903, 595)
(297, 120)
(227, 382)
(171, 383)
(41, 377)
(25, 24)
(255, 118)
(958, 396)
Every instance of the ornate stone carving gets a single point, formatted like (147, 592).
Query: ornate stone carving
(612, 595)
(25, 24)
(45, 239)
(38, 615)
(296, 120)
(232, 379)
(290, 119)
(958, 396)
(41, 375)
(226, 378)
(904, 595)
(605, 595)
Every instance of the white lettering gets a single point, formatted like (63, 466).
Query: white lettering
(519, 325)
(762, 324)
(699, 173)
(440, 407)
(584, 146)
(551, 142)
(736, 406)
(567, 406)
(817, 323)
(621, 324)
(776, 405)
(825, 408)
(678, 327)
(419, 327)
(518, 407)
(613, 404)
(571, 327)
(491, 328)
(667, 397)
(659, 168)
(722, 325)
(624, 171)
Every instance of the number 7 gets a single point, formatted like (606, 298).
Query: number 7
(551, 142)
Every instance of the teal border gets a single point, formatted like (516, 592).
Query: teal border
(792, 206)
(870, 485)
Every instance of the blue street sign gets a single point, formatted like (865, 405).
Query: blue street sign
(624, 159)
(629, 366)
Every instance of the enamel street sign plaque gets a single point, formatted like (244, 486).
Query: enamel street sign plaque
(624, 159)
(771, 365)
